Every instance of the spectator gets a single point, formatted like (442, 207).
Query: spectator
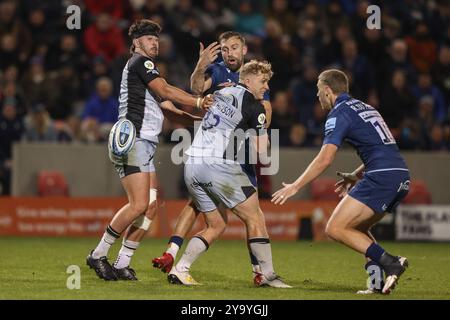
(441, 73)
(11, 25)
(424, 88)
(304, 94)
(10, 90)
(39, 127)
(360, 69)
(101, 112)
(282, 118)
(332, 50)
(446, 133)
(411, 135)
(114, 8)
(397, 102)
(249, 19)
(99, 69)
(178, 72)
(315, 126)
(279, 10)
(9, 51)
(215, 15)
(308, 42)
(38, 85)
(278, 50)
(436, 139)
(104, 38)
(68, 52)
(426, 114)
(397, 59)
(11, 129)
(422, 49)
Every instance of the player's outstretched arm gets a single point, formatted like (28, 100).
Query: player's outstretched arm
(199, 83)
(320, 163)
(176, 115)
(174, 94)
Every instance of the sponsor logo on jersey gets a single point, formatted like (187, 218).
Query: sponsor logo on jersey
(330, 124)
(262, 118)
(149, 65)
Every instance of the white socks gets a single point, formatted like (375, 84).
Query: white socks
(173, 250)
(125, 253)
(108, 239)
(196, 246)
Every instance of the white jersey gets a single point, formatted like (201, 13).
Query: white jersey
(234, 108)
(136, 101)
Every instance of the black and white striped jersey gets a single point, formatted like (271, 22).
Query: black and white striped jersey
(136, 101)
(234, 111)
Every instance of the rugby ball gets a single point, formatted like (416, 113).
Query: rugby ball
(122, 137)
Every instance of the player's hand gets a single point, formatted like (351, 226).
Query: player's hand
(208, 55)
(344, 185)
(207, 101)
(226, 84)
(280, 196)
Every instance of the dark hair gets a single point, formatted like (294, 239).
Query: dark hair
(230, 34)
(143, 27)
(335, 79)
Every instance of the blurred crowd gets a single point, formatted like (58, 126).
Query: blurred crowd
(61, 85)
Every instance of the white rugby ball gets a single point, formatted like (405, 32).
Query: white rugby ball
(122, 137)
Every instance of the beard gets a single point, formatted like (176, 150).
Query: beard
(234, 67)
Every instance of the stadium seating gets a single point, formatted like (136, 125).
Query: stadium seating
(52, 183)
(418, 193)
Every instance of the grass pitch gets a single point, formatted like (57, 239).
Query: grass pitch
(35, 268)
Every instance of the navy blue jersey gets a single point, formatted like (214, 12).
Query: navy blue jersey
(220, 73)
(362, 126)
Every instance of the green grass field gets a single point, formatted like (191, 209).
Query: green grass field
(35, 268)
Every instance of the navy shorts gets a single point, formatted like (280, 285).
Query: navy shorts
(382, 191)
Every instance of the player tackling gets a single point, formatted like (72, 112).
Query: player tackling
(210, 76)
(384, 176)
(214, 175)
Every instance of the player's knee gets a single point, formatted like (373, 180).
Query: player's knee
(332, 231)
(217, 226)
(139, 207)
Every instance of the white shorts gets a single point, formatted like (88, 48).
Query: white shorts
(210, 184)
(138, 159)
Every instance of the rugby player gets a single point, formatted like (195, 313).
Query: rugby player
(143, 95)
(384, 175)
(208, 77)
(213, 173)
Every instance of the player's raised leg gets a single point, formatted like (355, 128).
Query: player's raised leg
(342, 227)
(136, 186)
(185, 222)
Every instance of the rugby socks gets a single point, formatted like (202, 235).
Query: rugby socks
(375, 281)
(108, 239)
(195, 247)
(374, 252)
(262, 251)
(175, 243)
(125, 253)
(255, 265)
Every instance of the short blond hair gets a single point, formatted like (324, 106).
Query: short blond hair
(255, 67)
(336, 80)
